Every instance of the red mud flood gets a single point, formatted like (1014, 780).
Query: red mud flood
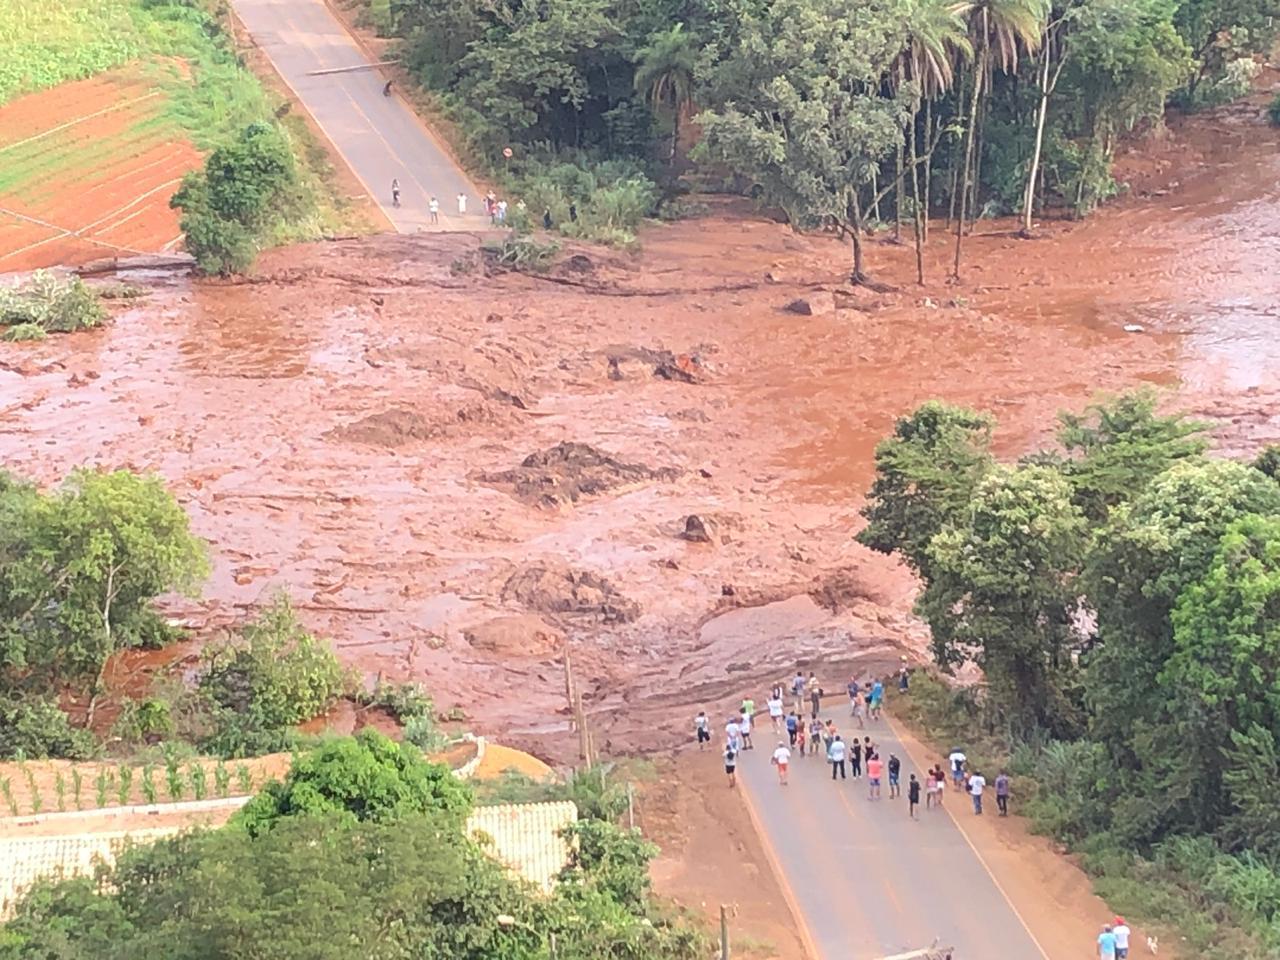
(351, 428)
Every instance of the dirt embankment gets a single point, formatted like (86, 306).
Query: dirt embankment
(456, 474)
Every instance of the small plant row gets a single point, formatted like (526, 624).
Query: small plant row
(114, 786)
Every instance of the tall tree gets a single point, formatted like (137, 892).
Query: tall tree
(926, 473)
(1002, 592)
(937, 39)
(1003, 30)
(800, 107)
(664, 74)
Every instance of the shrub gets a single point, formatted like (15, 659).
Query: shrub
(143, 720)
(1273, 111)
(521, 253)
(366, 777)
(423, 733)
(275, 676)
(49, 303)
(24, 332)
(37, 729)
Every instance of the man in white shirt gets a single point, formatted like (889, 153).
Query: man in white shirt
(733, 734)
(744, 729)
(835, 756)
(1121, 931)
(977, 783)
(775, 713)
(782, 757)
(957, 760)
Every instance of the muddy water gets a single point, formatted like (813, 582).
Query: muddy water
(254, 401)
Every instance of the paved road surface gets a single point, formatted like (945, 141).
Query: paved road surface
(379, 136)
(869, 881)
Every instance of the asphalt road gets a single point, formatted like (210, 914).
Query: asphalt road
(867, 880)
(379, 136)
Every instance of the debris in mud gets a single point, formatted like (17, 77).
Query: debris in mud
(555, 588)
(691, 414)
(700, 529)
(811, 306)
(1134, 328)
(398, 426)
(842, 590)
(642, 361)
(569, 472)
(525, 635)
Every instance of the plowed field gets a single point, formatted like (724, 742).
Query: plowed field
(86, 171)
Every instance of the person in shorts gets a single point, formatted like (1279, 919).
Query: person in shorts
(930, 788)
(913, 796)
(875, 770)
(895, 769)
(815, 736)
(1122, 932)
(775, 713)
(731, 763)
(1107, 943)
(781, 758)
(744, 729)
(702, 729)
(794, 727)
(855, 758)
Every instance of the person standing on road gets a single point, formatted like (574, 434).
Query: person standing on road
(775, 713)
(852, 687)
(815, 736)
(941, 777)
(462, 204)
(802, 739)
(502, 212)
(977, 783)
(1122, 932)
(702, 729)
(434, 207)
(815, 696)
(875, 770)
(733, 734)
(855, 759)
(957, 760)
(395, 192)
(835, 756)
(877, 697)
(797, 691)
(793, 729)
(1107, 944)
(782, 757)
(895, 768)
(744, 729)
(930, 787)
(748, 707)
(904, 677)
(731, 763)
(913, 796)
(777, 692)
(1002, 793)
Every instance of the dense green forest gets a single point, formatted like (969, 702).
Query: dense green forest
(844, 114)
(1121, 592)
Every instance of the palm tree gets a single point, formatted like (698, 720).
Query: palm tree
(1003, 29)
(664, 73)
(936, 39)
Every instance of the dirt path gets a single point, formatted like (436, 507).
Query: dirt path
(376, 427)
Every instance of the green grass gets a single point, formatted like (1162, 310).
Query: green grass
(47, 42)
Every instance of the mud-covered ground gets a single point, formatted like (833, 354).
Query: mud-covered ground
(457, 473)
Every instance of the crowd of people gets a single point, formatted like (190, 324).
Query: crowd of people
(794, 711)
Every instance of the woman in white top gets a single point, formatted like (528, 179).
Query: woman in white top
(781, 757)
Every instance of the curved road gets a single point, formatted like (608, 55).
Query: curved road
(866, 880)
(380, 138)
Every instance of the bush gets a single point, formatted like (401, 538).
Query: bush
(245, 191)
(365, 777)
(1273, 111)
(143, 720)
(521, 253)
(24, 331)
(37, 729)
(258, 687)
(52, 304)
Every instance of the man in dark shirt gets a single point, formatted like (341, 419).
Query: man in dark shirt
(895, 768)
(855, 757)
(913, 796)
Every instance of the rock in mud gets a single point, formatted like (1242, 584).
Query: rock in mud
(398, 426)
(569, 472)
(700, 529)
(628, 362)
(526, 635)
(556, 588)
(811, 306)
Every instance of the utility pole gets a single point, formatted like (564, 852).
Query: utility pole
(724, 933)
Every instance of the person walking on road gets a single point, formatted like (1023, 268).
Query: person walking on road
(802, 739)
(875, 770)
(797, 691)
(977, 783)
(794, 728)
(775, 713)
(777, 692)
(782, 757)
(1107, 943)
(733, 734)
(835, 756)
(855, 759)
(815, 696)
(895, 768)
(1002, 793)
(852, 687)
(731, 763)
(877, 697)
(913, 796)
(462, 204)
(434, 207)
(748, 707)
(930, 787)
(395, 193)
(815, 736)
(1122, 932)
(957, 760)
(702, 729)
(744, 728)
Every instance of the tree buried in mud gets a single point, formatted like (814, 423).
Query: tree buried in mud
(803, 113)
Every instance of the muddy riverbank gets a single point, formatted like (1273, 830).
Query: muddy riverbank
(456, 474)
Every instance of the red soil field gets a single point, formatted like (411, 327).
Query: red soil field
(86, 171)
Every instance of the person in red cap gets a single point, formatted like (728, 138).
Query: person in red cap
(1121, 930)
